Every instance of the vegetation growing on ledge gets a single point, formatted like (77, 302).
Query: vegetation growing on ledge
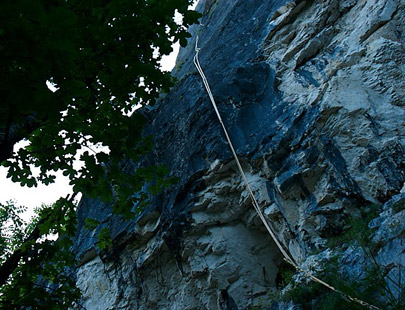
(374, 284)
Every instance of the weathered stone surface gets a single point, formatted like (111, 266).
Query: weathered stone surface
(312, 93)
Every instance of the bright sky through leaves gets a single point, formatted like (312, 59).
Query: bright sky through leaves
(35, 196)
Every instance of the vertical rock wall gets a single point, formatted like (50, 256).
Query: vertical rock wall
(313, 95)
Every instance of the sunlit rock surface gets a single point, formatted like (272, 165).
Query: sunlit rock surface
(312, 93)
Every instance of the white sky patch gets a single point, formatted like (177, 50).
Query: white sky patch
(34, 196)
(192, 7)
(178, 18)
(48, 194)
(168, 61)
(52, 87)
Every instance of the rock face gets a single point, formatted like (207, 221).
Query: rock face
(312, 93)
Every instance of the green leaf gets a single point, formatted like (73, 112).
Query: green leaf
(191, 17)
(104, 238)
(96, 53)
(91, 224)
(183, 42)
(44, 228)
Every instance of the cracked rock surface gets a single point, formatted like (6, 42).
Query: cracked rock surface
(312, 93)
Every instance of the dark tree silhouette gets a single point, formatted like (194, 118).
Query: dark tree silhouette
(102, 58)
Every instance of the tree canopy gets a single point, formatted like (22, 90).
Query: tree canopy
(102, 60)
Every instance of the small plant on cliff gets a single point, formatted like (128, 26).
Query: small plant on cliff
(375, 287)
(375, 284)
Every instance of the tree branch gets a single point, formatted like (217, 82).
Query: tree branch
(11, 264)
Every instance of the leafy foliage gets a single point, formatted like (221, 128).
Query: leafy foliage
(40, 279)
(102, 60)
(104, 238)
(375, 286)
(11, 233)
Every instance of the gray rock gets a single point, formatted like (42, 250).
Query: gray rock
(312, 95)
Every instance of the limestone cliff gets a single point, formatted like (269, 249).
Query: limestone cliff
(312, 93)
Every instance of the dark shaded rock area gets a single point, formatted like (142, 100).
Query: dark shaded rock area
(187, 133)
(312, 95)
